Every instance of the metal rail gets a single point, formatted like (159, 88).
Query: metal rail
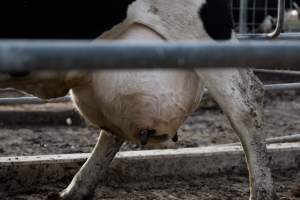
(281, 37)
(32, 100)
(243, 15)
(20, 56)
(275, 140)
(281, 87)
(278, 71)
(35, 100)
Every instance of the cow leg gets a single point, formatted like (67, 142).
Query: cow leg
(239, 93)
(85, 181)
(88, 177)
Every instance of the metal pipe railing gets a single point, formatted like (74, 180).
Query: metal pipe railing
(273, 140)
(32, 100)
(282, 87)
(278, 71)
(243, 15)
(65, 99)
(20, 56)
(281, 37)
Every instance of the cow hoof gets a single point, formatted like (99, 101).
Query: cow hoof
(265, 196)
(59, 196)
(53, 196)
(64, 195)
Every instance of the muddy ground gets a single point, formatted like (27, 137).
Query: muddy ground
(56, 128)
(224, 187)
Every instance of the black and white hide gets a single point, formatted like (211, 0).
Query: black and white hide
(142, 106)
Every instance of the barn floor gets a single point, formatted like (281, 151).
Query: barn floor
(224, 187)
(207, 126)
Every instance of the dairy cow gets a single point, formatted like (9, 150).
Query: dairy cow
(149, 106)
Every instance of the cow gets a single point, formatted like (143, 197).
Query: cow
(147, 107)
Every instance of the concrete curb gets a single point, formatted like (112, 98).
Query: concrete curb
(22, 172)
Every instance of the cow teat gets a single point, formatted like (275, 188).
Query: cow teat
(175, 137)
(145, 134)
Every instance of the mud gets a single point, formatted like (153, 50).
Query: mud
(223, 187)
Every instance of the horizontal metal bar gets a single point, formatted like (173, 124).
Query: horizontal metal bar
(278, 71)
(275, 140)
(289, 36)
(16, 56)
(32, 100)
(35, 100)
(282, 87)
(260, 37)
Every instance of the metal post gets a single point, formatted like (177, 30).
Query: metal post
(243, 16)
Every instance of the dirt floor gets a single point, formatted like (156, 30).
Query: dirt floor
(65, 133)
(225, 187)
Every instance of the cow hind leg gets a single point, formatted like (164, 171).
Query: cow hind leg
(90, 174)
(85, 181)
(239, 94)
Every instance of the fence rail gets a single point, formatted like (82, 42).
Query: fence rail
(65, 99)
(16, 56)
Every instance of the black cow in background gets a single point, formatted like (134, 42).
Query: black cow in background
(59, 19)
(259, 16)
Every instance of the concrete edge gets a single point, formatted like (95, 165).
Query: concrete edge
(28, 171)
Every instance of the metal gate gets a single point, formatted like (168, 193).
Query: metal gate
(260, 16)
